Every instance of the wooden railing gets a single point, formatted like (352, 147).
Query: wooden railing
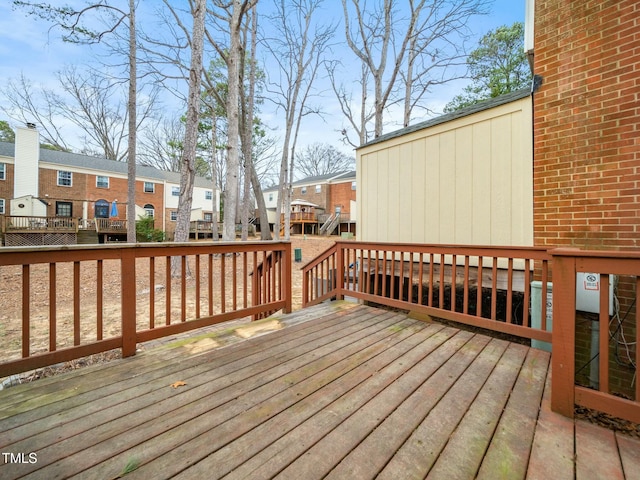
(65, 303)
(625, 266)
(15, 223)
(301, 217)
(487, 287)
(110, 225)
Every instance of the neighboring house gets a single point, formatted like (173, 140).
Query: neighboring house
(47, 183)
(464, 177)
(316, 199)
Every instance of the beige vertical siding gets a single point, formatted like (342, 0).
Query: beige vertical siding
(468, 181)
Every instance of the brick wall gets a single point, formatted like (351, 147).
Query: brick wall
(75, 194)
(321, 199)
(587, 141)
(586, 124)
(341, 195)
(6, 186)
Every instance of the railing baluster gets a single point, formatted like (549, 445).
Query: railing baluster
(197, 292)
(52, 307)
(167, 298)
(210, 280)
(183, 288)
(76, 303)
(245, 280)
(527, 293)
(152, 292)
(453, 282)
(479, 289)
(26, 314)
(465, 302)
(494, 288)
(99, 300)
(223, 292)
(509, 290)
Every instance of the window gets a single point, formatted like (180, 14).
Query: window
(208, 217)
(102, 181)
(102, 209)
(318, 188)
(3, 171)
(353, 185)
(1, 206)
(175, 191)
(303, 190)
(64, 209)
(208, 195)
(173, 215)
(149, 187)
(64, 178)
(150, 210)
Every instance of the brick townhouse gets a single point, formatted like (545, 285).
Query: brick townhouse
(37, 182)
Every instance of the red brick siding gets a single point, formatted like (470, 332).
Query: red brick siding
(341, 195)
(6, 186)
(321, 199)
(587, 139)
(586, 124)
(156, 199)
(76, 193)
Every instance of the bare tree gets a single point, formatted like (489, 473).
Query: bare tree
(23, 105)
(298, 52)
(247, 105)
(187, 170)
(70, 20)
(321, 159)
(161, 144)
(414, 49)
(437, 48)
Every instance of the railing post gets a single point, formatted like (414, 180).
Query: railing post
(128, 296)
(339, 280)
(563, 336)
(287, 278)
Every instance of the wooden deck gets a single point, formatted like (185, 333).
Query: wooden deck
(343, 391)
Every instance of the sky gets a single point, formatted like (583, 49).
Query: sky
(28, 46)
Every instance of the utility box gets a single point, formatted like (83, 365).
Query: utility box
(588, 288)
(297, 254)
(536, 312)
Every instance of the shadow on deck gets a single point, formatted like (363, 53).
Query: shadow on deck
(344, 391)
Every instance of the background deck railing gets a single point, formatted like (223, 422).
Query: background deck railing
(487, 287)
(23, 223)
(110, 225)
(617, 329)
(65, 303)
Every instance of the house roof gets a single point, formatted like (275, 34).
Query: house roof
(314, 180)
(448, 117)
(303, 203)
(100, 164)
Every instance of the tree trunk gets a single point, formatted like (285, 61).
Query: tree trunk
(265, 233)
(187, 170)
(214, 181)
(233, 153)
(131, 154)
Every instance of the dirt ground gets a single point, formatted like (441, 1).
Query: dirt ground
(11, 295)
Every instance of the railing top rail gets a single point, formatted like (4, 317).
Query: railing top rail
(320, 258)
(540, 253)
(64, 253)
(630, 254)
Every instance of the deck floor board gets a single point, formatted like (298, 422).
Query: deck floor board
(349, 391)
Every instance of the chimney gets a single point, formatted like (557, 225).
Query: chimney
(27, 155)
